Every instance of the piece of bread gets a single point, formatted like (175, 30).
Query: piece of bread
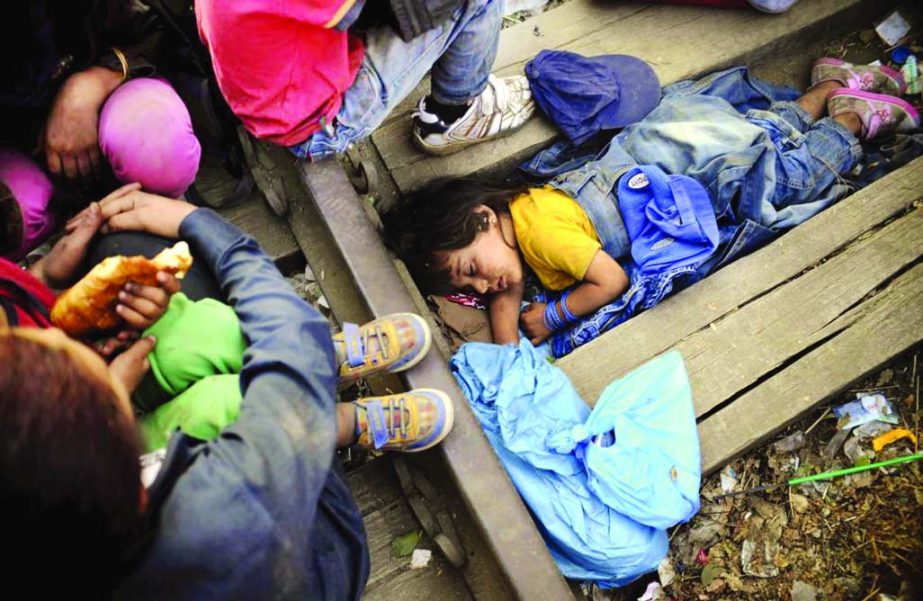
(89, 306)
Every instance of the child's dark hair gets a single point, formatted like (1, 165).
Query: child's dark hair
(442, 217)
(70, 478)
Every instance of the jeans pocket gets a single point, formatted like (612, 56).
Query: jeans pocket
(362, 101)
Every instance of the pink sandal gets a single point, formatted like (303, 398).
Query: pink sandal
(879, 113)
(869, 78)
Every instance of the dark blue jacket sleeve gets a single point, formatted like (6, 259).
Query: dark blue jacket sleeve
(251, 494)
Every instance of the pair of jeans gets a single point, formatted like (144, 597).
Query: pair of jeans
(459, 54)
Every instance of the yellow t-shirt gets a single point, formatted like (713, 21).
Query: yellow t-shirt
(556, 237)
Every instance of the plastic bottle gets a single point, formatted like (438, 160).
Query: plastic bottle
(911, 76)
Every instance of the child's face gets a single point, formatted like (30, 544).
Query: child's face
(491, 263)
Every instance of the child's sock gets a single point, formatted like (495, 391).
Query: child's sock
(447, 113)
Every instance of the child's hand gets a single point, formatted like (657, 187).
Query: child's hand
(107, 348)
(129, 367)
(532, 321)
(60, 267)
(141, 306)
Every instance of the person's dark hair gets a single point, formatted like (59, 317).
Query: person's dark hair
(69, 472)
(441, 217)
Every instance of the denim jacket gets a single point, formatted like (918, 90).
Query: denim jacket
(263, 510)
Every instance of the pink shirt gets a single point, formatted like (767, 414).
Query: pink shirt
(281, 66)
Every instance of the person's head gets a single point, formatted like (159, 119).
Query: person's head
(145, 132)
(70, 482)
(456, 234)
(26, 218)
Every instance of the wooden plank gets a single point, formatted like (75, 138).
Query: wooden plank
(651, 333)
(433, 584)
(747, 345)
(387, 516)
(877, 331)
(272, 233)
(699, 42)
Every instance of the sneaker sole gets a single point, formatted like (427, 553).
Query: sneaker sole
(896, 76)
(449, 419)
(441, 151)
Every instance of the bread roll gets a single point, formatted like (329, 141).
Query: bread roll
(89, 306)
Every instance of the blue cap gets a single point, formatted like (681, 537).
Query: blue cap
(584, 96)
(669, 218)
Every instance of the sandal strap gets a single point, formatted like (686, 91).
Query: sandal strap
(377, 426)
(355, 345)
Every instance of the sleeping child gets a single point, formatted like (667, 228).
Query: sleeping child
(689, 187)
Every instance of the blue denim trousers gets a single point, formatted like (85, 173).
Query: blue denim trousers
(459, 54)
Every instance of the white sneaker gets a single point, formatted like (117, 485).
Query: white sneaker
(503, 107)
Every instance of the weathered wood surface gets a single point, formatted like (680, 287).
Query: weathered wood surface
(725, 291)
(776, 333)
(387, 516)
(272, 233)
(862, 341)
(678, 41)
(741, 349)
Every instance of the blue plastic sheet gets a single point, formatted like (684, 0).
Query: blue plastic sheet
(602, 510)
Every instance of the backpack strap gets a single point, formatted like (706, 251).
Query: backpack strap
(13, 297)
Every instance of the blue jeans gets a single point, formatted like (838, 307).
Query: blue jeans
(459, 53)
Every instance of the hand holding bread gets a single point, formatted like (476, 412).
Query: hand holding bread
(90, 305)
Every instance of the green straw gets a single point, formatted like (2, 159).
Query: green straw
(826, 475)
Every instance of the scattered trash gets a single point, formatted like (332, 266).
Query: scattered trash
(871, 430)
(911, 76)
(853, 449)
(802, 591)
(790, 443)
(707, 532)
(899, 55)
(836, 443)
(832, 474)
(756, 559)
(893, 29)
(709, 573)
(536, 31)
(666, 572)
(653, 592)
(403, 546)
(728, 479)
(894, 435)
(800, 503)
(701, 557)
(420, 559)
(866, 408)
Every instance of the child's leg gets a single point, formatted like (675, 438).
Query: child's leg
(412, 421)
(195, 340)
(814, 101)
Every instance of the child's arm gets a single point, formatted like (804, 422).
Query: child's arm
(504, 314)
(603, 282)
